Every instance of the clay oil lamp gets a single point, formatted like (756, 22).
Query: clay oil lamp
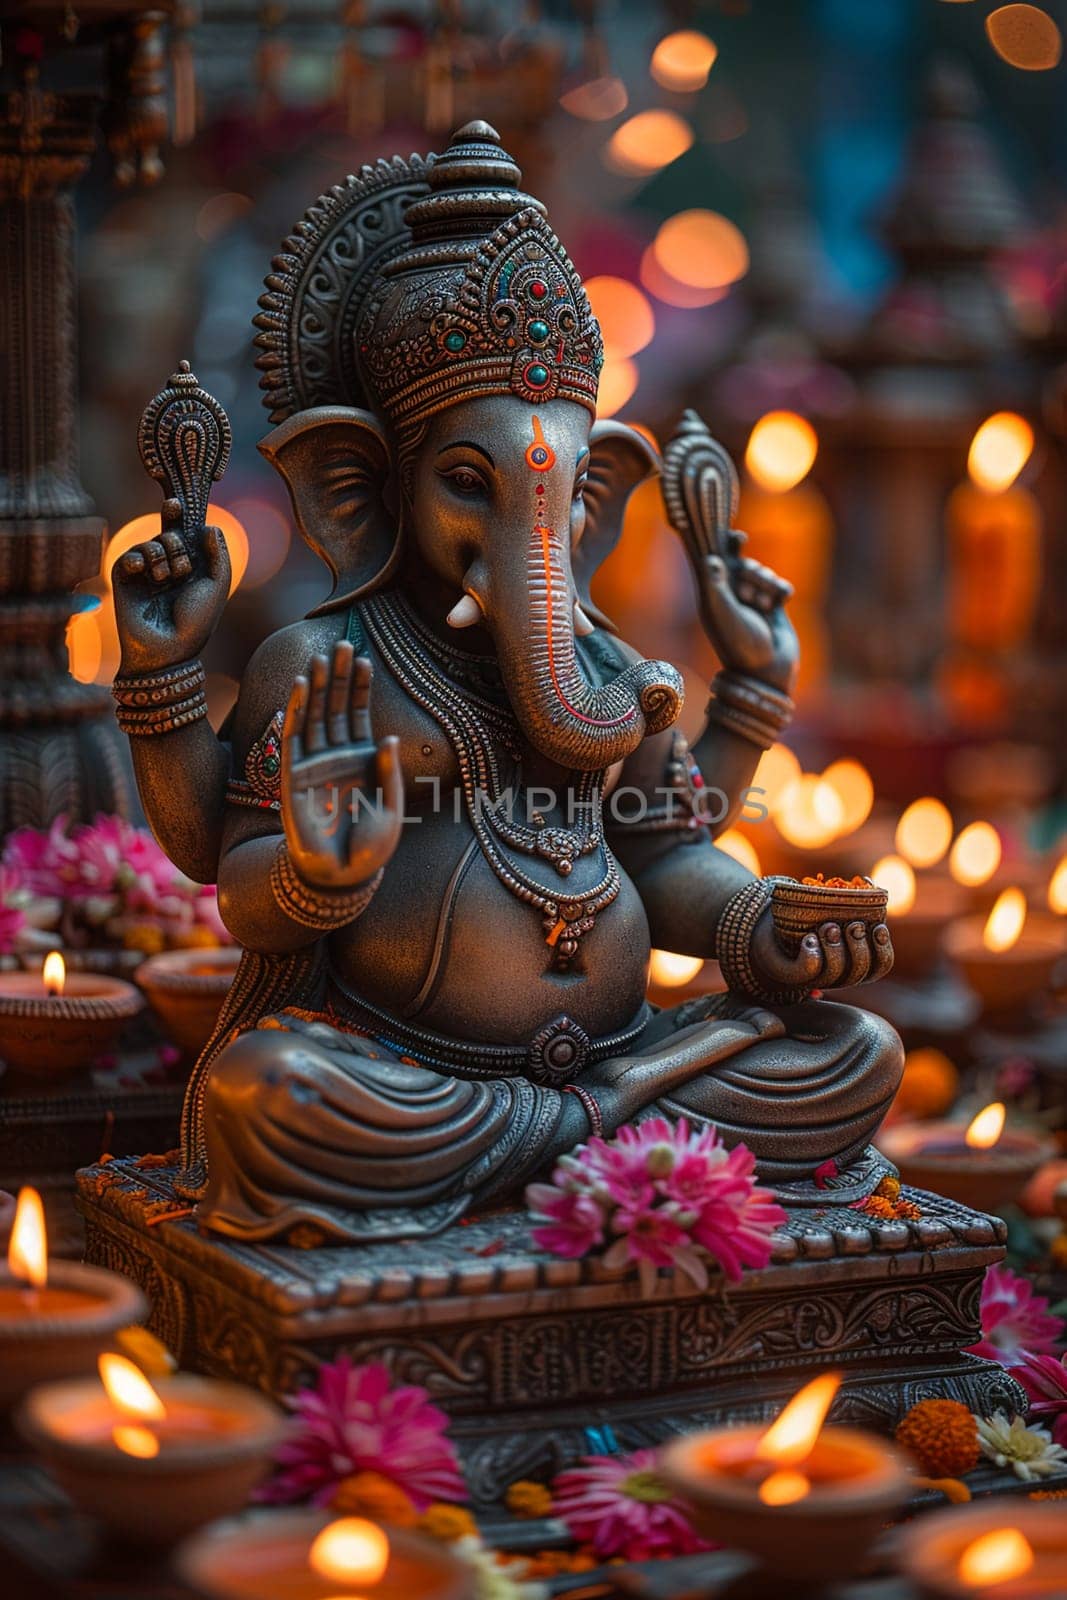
(185, 989)
(1007, 959)
(299, 1555)
(989, 1550)
(981, 1164)
(55, 1316)
(806, 1502)
(53, 1022)
(152, 1463)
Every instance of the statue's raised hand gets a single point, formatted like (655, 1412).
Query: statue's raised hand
(342, 795)
(742, 604)
(168, 601)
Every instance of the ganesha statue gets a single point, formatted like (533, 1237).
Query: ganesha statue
(413, 812)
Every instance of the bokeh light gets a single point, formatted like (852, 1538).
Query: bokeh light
(975, 854)
(999, 451)
(854, 789)
(626, 318)
(894, 875)
(1005, 922)
(781, 450)
(701, 249)
(1057, 888)
(141, 529)
(596, 101)
(647, 142)
(1025, 37)
(778, 768)
(618, 384)
(810, 813)
(682, 61)
(924, 831)
(734, 843)
(667, 970)
(670, 291)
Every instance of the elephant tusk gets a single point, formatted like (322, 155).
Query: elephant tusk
(465, 613)
(582, 624)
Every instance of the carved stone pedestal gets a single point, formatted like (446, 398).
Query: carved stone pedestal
(539, 1361)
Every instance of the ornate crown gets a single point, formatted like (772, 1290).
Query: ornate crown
(419, 284)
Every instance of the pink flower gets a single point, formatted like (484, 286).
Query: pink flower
(12, 917)
(42, 858)
(1045, 1380)
(621, 1506)
(1015, 1320)
(574, 1223)
(354, 1420)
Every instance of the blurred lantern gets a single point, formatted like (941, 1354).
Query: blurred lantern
(894, 875)
(682, 61)
(625, 316)
(975, 855)
(618, 383)
(701, 249)
(1025, 37)
(790, 529)
(596, 101)
(924, 832)
(852, 783)
(647, 142)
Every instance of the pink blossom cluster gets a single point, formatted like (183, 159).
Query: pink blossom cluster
(1021, 1332)
(658, 1195)
(621, 1506)
(96, 874)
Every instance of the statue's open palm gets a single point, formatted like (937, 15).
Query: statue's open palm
(342, 795)
(744, 618)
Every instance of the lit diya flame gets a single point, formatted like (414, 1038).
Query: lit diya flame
(781, 451)
(669, 971)
(894, 875)
(986, 1128)
(852, 784)
(975, 855)
(27, 1251)
(996, 1557)
(1057, 889)
(924, 832)
(351, 1551)
(791, 1438)
(135, 1400)
(1005, 922)
(999, 451)
(54, 974)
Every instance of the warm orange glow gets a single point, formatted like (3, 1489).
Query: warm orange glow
(778, 769)
(669, 971)
(670, 291)
(54, 973)
(1025, 37)
(681, 62)
(894, 875)
(1057, 888)
(851, 782)
(350, 1551)
(701, 249)
(783, 1488)
(975, 856)
(618, 383)
(734, 843)
(129, 1390)
(810, 813)
(924, 832)
(147, 527)
(1006, 921)
(985, 1129)
(85, 646)
(791, 1437)
(994, 1558)
(27, 1251)
(596, 101)
(999, 451)
(781, 450)
(133, 1440)
(626, 319)
(647, 142)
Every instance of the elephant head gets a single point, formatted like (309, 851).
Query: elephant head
(500, 515)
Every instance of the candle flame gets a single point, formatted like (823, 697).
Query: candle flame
(1005, 922)
(54, 973)
(975, 856)
(924, 831)
(670, 971)
(782, 1488)
(894, 875)
(27, 1252)
(791, 1437)
(999, 451)
(1057, 889)
(350, 1550)
(133, 1440)
(681, 62)
(986, 1128)
(995, 1557)
(781, 450)
(129, 1390)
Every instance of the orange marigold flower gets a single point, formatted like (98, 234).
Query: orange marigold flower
(371, 1494)
(447, 1523)
(889, 1188)
(527, 1499)
(908, 1211)
(942, 1435)
(876, 1205)
(929, 1085)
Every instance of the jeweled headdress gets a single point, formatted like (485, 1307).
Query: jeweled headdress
(419, 283)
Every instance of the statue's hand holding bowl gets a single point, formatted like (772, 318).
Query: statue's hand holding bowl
(742, 604)
(342, 794)
(167, 605)
(832, 956)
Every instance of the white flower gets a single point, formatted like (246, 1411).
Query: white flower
(1029, 1452)
(493, 1581)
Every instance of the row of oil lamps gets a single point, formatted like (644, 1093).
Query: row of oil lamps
(162, 1463)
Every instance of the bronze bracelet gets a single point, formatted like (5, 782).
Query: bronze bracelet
(149, 722)
(589, 1106)
(733, 946)
(750, 708)
(152, 691)
(321, 909)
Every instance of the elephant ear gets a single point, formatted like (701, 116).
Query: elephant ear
(335, 463)
(619, 459)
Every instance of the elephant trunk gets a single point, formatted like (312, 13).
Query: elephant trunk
(569, 720)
